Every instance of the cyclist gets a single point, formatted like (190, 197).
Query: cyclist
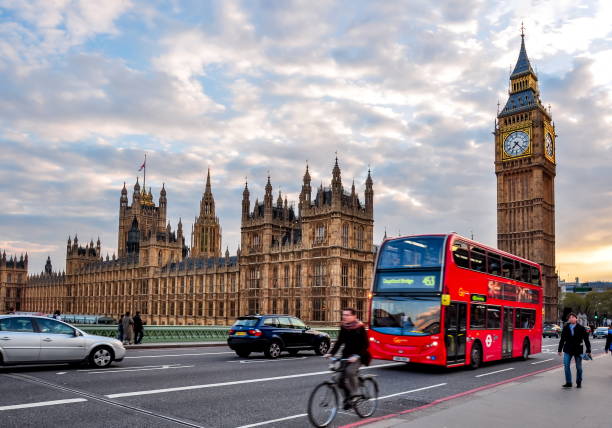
(355, 340)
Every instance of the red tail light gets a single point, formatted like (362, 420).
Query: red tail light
(230, 332)
(255, 332)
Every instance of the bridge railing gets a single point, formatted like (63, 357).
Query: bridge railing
(179, 333)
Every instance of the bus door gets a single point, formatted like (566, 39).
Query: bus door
(455, 332)
(507, 332)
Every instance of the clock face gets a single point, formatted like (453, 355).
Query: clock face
(549, 145)
(516, 143)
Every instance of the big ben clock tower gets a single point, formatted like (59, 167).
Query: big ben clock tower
(525, 169)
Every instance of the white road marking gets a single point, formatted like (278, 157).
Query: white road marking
(42, 403)
(238, 382)
(411, 391)
(497, 371)
(304, 414)
(273, 420)
(179, 355)
(141, 370)
(60, 373)
(266, 360)
(543, 361)
(124, 368)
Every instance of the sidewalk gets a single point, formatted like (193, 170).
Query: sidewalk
(528, 401)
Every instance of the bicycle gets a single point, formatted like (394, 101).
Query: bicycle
(324, 400)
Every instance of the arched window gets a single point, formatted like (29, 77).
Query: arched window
(345, 235)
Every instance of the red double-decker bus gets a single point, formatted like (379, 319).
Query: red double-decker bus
(450, 301)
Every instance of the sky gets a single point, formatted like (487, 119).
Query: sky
(246, 88)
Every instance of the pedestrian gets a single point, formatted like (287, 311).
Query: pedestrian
(128, 329)
(138, 328)
(120, 329)
(608, 347)
(57, 315)
(572, 336)
(355, 340)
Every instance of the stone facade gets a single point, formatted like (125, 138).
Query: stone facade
(525, 167)
(310, 263)
(13, 277)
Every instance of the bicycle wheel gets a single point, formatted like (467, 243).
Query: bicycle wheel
(366, 405)
(323, 405)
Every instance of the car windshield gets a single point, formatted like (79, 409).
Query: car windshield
(406, 316)
(602, 328)
(246, 322)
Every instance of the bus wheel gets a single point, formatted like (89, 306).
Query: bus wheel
(525, 354)
(476, 356)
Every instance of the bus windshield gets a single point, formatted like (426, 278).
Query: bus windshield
(406, 316)
(412, 252)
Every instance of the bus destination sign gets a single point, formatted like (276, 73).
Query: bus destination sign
(478, 298)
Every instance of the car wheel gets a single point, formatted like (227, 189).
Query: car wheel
(101, 357)
(243, 353)
(475, 356)
(273, 350)
(322, 347)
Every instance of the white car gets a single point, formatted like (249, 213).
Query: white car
(28, 339)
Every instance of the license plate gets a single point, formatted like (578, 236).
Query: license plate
(402, 359)
(241, 333)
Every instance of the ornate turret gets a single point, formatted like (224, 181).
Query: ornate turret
(369, 193)
(48, 266)
(206, 232)
(246, 203)
(336, 179)
(136, 194)
(123, 200)
(268, 196)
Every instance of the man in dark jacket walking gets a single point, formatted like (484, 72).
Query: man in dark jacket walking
(572, 336)
(608, 347)
(138, 328)
(355, 340)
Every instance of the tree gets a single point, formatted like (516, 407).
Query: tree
(575, 302)
(600, 302)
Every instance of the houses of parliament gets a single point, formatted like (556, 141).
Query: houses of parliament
(310, 263)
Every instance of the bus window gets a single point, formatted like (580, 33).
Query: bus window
(507, 267)
(461, 254)
(477, 316)
(516, 273)
(494, 264)
(525, 273)
(525, 318)
(535, 276)
(478, 259)
(416, 252)
(493, 317)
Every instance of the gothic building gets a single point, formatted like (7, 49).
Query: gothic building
(13, 277)
(310, 263)
(525, 166)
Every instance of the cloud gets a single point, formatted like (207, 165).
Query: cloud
(406, 88)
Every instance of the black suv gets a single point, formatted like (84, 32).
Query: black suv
(273, 334)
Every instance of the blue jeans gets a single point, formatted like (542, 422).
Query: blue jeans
(567, 360)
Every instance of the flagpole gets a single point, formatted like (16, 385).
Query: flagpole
(144, 179)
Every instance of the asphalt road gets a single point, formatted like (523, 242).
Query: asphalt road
(212, 387)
